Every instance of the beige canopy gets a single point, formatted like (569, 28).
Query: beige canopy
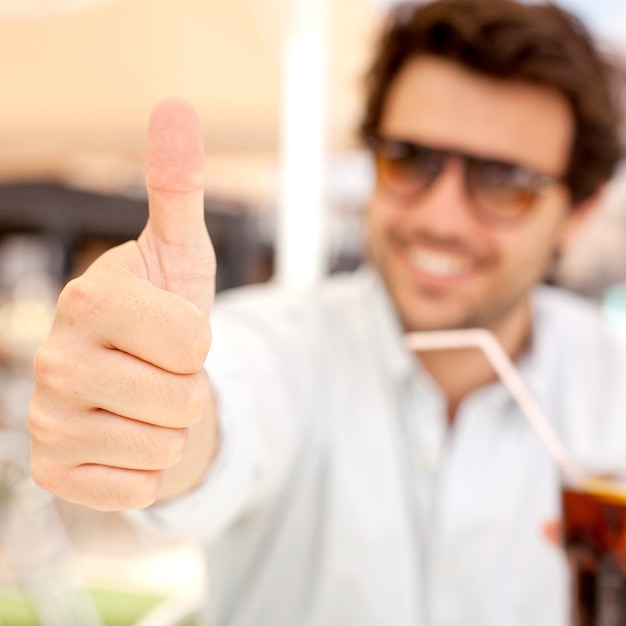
(78, 85)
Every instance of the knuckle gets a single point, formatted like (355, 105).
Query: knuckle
(198, 335)
(50, 477)
(50, 366)
(85, 302)
(97, 487)
(44, 366)
(174, 447)
(157, 447)
(77, 298)
(199, 397)
(118, 490)
(143, 491)
(40, 430)
(45, 430)
(58, 379)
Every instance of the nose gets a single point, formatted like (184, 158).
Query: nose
(446, 203)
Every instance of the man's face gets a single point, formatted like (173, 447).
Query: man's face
(444, 265)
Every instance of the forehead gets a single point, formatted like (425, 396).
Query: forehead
(439, 102)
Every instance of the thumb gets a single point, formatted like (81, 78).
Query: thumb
(175, 244)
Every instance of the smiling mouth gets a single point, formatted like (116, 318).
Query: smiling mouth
(439, 264)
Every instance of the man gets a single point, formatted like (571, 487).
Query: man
(336, 478)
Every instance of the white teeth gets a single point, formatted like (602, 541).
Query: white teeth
(437, 263)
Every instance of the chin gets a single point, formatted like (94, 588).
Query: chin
(423, 314)
(422, 327)
(433, 321)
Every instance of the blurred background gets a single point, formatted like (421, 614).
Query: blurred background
(277, 84)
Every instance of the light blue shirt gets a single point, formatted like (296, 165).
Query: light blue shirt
(340, 497)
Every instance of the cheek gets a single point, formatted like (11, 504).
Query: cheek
(378, 219)
(532, 252)
(385, 214)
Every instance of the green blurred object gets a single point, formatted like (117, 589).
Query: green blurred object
(117, 608)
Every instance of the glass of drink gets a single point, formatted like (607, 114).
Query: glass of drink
(594, 519)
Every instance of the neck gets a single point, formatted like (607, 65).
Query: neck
(459, 372)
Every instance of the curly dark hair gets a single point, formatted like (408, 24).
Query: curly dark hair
(503, 39)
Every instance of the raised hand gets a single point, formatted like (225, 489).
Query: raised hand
(120, 380)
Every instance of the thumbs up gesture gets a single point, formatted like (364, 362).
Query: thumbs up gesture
(120, 382)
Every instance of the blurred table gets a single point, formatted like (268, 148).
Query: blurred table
(84, 222)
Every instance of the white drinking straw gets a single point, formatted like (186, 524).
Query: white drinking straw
(500, 361)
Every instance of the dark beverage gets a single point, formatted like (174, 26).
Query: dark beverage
(594, 517)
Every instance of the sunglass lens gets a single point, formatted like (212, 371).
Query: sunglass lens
(501, 190)
(407, 169)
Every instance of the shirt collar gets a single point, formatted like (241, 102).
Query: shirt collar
(535, 364)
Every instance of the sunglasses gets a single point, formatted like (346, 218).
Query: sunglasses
(499, 191)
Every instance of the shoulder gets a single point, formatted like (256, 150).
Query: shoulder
(565, 312)
(297, 316)
(581, 370)
(271, 301)
(577, 331)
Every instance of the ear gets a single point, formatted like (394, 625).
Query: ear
(578, 216)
